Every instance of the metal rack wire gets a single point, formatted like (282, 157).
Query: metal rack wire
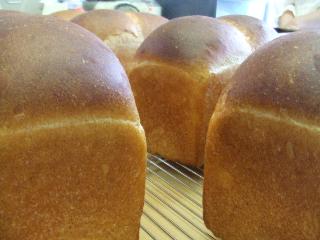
(173, 203)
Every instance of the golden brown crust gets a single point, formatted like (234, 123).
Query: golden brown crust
(11, 13)
(72, 180)
(116, 29)
(181, 70)
(63, 70)
(67, 14)
(10, 17)
(148, 22)
(261, 177)
(122, 32)
(282, 76)
(105, 23)
(72, 152)
(257, 32)
(170, 116)
(194, 40)
(262, 170)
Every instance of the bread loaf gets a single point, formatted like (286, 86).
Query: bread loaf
(181, 68)
(147, 22)
(122, 32)
(262, 161)
(256, 32)
(67, 14)
(72, 152)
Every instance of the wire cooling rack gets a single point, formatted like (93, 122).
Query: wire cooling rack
(173, 203)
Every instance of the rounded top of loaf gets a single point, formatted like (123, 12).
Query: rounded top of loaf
(105, 23)
(196, 40)
(147, 22)
(281, 77)
(67, 14)
(63, 72)
(10, 14)
(256, 31)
